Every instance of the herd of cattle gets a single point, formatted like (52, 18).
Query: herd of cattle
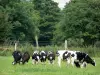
(77, 58)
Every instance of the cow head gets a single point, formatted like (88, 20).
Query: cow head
(89, 60)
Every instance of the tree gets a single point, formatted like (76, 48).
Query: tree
(5, 25)
(18, 20)
(80, 20)
(49, 13)
(23, 22)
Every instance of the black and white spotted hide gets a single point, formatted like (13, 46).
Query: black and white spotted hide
(35, 57)
(51, 57)
(17, 55)
(77, 64)
(25, 57)
(43, 56)
(66, 55)
(83, 57)
(69, 56)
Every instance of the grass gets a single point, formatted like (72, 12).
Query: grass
(6, 68)
(7, 50)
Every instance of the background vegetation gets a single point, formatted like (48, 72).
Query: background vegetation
(42, 21)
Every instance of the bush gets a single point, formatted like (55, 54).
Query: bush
(92, 51)
(75, 42)
(97, 44)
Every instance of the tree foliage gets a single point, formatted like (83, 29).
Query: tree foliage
(49, 13)
(26, 19)
(81, 20)
(5, 25)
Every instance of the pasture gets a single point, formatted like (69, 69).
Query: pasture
(6, 68)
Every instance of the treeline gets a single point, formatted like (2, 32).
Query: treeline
(80, 23)
(42, 20)
(27, 20)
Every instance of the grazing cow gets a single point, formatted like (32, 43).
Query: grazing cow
(70, 56)
(43, 56)
(17, 55)
(64, 55)
(51, 57)
(84, 59)
(25, 57)
(35, 57)
(78, 58)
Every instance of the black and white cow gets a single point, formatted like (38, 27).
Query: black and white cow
(25, 57)
(60, 53)
(43, 56)
(35, 57)
(84, 59)
(51, 57)
(17, 55)
(70, 57)
(75, 57)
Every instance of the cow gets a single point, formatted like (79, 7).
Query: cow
(17, 55)
(69, 56)
(43, 56)
(84, 59)
(25, 57)
(60, 53)
(35, 57)
(51, 57)
(77, 58)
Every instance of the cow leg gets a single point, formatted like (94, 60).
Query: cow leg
(27, 61)
(19, 62)
(37, 61)
(77, 64)
(13, 62)
(59, 61)
(84, 64)
(23, 62)
(68, 61)
(72, 61)
(34, 61)
(53, 62)
(49, 61)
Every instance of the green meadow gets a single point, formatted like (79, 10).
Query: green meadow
(6, 68)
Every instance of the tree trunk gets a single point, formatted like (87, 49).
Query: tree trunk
(36, 39)
(15, 46)
(66, 45)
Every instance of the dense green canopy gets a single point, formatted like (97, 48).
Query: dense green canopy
(24, 19)
(30, 20)
(81, 20)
